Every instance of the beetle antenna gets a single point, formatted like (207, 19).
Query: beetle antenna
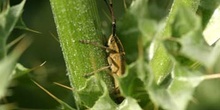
(110, 7)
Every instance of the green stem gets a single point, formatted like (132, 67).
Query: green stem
(78, 20)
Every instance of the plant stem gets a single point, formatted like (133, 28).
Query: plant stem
(78, 20)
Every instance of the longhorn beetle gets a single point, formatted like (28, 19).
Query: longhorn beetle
(114, 50)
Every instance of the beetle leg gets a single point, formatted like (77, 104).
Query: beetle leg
(113, 65)
(98, 70)
(97, 44)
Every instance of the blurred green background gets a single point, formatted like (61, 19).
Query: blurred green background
(37, 15)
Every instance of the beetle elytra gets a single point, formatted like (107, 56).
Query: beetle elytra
(114, 50)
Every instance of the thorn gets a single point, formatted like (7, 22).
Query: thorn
(41, 87)
(56, 38)
(64, 86)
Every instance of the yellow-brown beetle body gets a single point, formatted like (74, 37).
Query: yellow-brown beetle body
(114, 50)
(116, 57)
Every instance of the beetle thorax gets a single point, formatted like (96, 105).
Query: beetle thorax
(112, 43)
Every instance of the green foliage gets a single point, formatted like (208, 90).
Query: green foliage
(8, 18)
(161, 71)
(168, 52)
(10, 69)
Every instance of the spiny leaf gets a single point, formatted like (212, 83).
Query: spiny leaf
(104, 102)
(161, 64)
(129, 104)
(20, 70)
(179, 91)
(191, 42)
(8, 20)
(187, 42)
(21, 25)
(7, 65)
(92, 89)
